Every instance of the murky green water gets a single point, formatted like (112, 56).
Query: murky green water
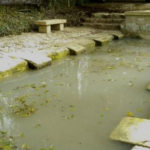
(80, 100)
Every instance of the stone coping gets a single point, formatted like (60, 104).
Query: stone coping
(138, 13)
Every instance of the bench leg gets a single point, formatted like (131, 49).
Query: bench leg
(44, 29)
(58, 27)
(61, 27)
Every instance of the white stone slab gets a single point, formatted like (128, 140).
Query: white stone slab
(34, 59)
(133, 130)
(140, 148)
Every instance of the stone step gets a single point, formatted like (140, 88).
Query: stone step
(104, 26)
(140, 148)
(103, 20)
(115, 7)
(109, 15)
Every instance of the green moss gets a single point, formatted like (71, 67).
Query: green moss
(60, 54)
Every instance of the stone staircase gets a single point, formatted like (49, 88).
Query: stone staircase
(105, 21)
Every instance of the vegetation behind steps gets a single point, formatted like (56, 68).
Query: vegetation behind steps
(15, 20)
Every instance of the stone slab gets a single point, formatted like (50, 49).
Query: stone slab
(75, 49)
(133, 130)
(57, 53)
(118, 35)
(88, 43)
(51, 22)
(140, 148)
(102, 39)
(10, 65)
(34, 59)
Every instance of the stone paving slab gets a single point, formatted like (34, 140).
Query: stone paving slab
(34, 59)
(75, 49)
(118, 35)
(103, 39)
(88, 43)
(9, 65)
(140, 148)
(56, 52)
(133, 130)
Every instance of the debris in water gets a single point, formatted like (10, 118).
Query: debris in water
(131, 84)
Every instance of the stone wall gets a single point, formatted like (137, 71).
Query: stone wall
(137, 23)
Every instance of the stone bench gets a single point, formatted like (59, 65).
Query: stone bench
(45, 26)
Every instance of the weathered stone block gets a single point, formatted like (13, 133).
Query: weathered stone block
(9, 66)
(103, 39)
(75, 49)
(34, 59)
(133, 130)
(137, 22)
(60, 53)
(88, 43)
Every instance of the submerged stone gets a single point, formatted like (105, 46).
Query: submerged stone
(75, 49)
(10, 65)
(133, 130)
(140, 148)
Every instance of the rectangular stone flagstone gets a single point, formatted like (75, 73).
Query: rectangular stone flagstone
(75, 49)
(9, 65)
(88, 43)
(118, 35)
(101, 39)
(34, 59)
(133, 130)
(140, 148)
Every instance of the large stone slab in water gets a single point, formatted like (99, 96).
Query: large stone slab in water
(60, 53)
(101, 39)
(133, 130)
(118, 35)
(9, 65)
(88, 43)
(56, 52)
(140, 148)
(75, 49)
(34, 59)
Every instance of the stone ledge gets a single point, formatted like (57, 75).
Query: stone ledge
(138, 13)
